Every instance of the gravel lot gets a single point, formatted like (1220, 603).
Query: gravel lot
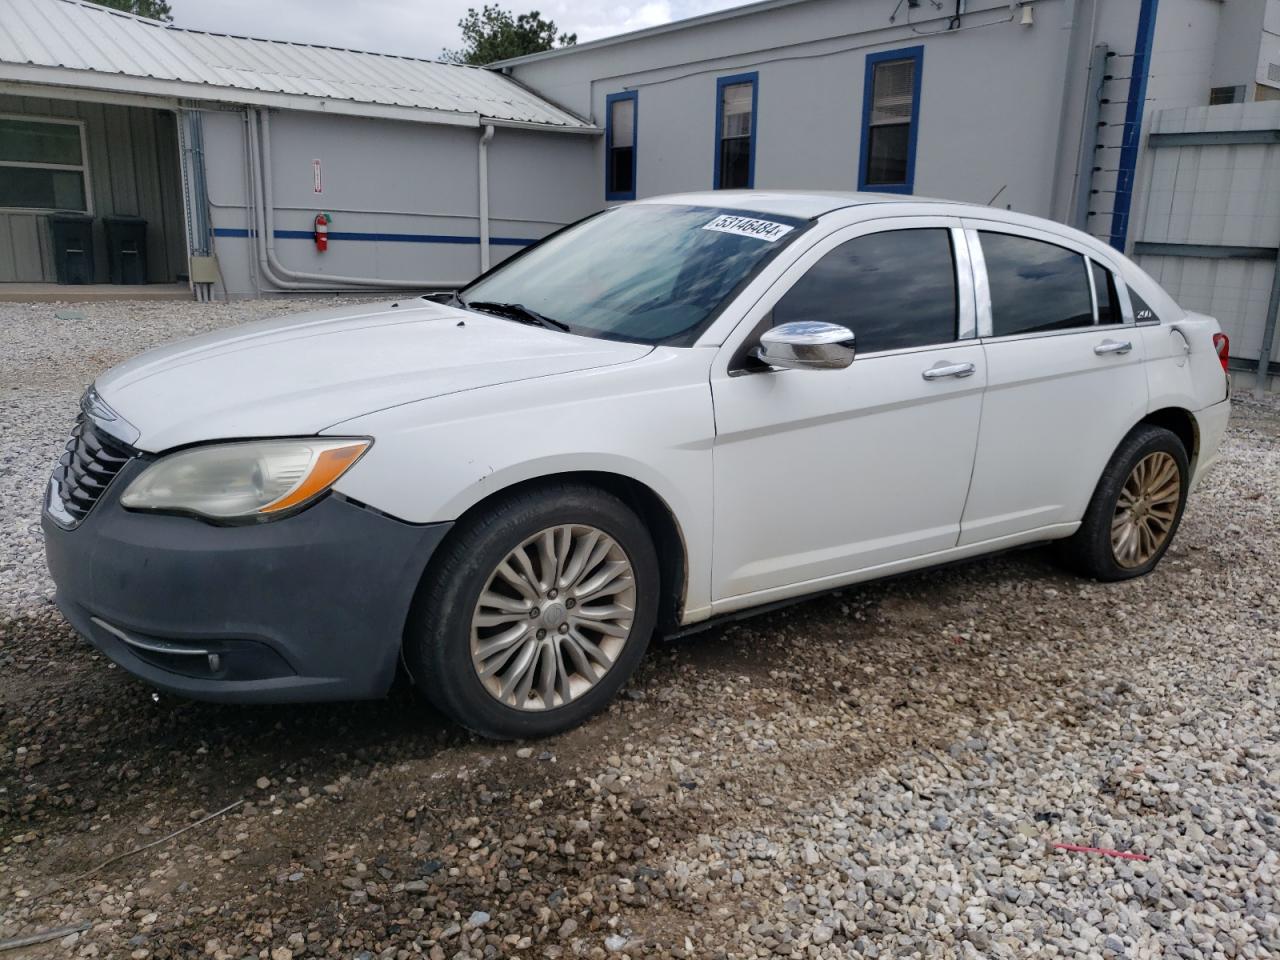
(878, 773)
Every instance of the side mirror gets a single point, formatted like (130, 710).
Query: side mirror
(807, 345)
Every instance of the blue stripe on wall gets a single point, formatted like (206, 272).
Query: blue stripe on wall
(387, 237)
(1132, 139)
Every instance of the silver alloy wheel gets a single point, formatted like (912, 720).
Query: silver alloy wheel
(553, 617)
(1146, 509)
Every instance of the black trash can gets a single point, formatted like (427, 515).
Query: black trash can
(126, 249)
(72, 247)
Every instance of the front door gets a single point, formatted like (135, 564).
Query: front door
(820, 474)
(1065, 380)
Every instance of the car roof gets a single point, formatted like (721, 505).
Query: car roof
(788, 203)
(809, 204)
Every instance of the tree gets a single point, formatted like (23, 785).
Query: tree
(492, 34)
(155, 9)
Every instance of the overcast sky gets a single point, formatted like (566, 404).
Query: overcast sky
(418, 28)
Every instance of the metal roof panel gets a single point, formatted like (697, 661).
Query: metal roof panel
(73, 35)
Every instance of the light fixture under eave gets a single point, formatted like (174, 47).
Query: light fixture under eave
(1028, 15)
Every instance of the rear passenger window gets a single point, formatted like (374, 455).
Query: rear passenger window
(1104, 286)
(1035, 286)
(894, 290)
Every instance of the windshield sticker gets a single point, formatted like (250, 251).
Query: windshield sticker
(748, 227)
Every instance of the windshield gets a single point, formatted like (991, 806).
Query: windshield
(646, 272)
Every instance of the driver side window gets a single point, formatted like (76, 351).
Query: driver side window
(895, 290)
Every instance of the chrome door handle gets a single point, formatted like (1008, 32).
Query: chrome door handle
(1112, 346)
(940, 370)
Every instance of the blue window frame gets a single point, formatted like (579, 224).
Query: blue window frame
(890, 120)
(622, 117)
(735, 165)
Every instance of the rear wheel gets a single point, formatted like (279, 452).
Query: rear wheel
(1135, 510)
(536, 612)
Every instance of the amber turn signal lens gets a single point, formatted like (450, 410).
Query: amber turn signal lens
(328, 467)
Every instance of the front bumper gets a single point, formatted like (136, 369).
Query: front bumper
(311, 607)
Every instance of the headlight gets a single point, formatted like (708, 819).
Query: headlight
(260, 479)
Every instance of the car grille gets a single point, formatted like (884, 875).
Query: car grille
(87, 467)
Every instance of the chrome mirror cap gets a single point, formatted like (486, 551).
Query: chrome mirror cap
(807, 345)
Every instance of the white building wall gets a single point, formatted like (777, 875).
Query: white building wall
(991, 104)
(404, 197)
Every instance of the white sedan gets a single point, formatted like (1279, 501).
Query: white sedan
(674, 410)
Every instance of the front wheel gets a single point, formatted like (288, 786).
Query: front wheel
(536, 612)
(1135, 510)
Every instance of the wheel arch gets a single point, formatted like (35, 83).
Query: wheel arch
(1182, 424)
(654, 511)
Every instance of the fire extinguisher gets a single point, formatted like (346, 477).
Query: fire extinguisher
(322, 231)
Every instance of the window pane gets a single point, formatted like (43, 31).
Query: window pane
(892, 91)
(37, 142)
(736, 110)
(622, 122)
(620, 170)
(1034, 286)
(893, 290)
(735, 163)
(887, 154)
(1108, 304)
(641, 271)
(41, 189)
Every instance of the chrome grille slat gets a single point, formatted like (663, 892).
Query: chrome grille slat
(92, 459)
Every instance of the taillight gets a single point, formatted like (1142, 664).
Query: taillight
(1223, 346)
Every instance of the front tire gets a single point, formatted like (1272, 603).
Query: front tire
(1135, 510)
(536, 612)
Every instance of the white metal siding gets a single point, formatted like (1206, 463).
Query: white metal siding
(1217, 195)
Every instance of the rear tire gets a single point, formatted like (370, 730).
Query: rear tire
(1135, 510)
(535, 612)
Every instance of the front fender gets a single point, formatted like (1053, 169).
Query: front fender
(649, 420)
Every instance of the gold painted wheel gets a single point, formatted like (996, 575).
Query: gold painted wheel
(1146, 510)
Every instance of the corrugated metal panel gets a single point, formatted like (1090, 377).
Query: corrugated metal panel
(75, 36)
(1220, 195)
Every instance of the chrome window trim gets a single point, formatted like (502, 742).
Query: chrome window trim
(1072, 331)
(1093, 288)
(981, 286)
(966, 306)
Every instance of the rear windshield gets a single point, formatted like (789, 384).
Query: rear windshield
(645, 272)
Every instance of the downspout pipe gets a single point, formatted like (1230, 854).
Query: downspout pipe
(280, 275)
(483, 160)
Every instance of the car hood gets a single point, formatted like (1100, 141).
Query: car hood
(299, 374)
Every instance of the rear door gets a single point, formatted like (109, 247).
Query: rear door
(1065, 379)
(822, 473)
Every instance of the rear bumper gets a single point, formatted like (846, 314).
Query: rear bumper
(311, 607)
(1211, 424)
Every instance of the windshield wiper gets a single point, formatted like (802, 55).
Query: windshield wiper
(517, 312)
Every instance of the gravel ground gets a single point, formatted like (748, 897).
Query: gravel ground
(883, 772)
